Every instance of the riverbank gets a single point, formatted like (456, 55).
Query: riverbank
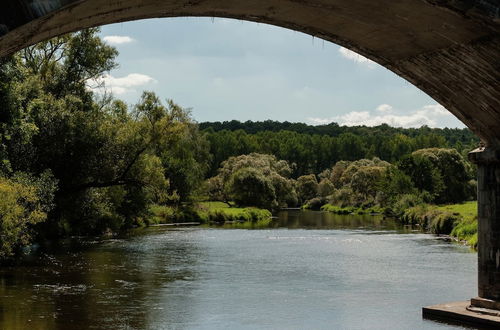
(351, 209)
(208, 213)
(459, 221)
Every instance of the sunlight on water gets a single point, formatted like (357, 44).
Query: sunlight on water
(309, 270)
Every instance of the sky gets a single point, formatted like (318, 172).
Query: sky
(224, 69)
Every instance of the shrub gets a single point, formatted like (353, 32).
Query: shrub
(160, 214)
(21, 206)
(315, 203)
(403, 203)
(466, 230)
(433, 220)
(443, 223)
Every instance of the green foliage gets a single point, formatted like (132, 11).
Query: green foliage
(315, 148)
(220, 213)
(315, 203)
(359, 183)
(248, 186)
(160, 214)
(443, 223)
(74, 162)
(307, 187)
(402, 203)
(344, 197)
(457, 220)
(466, 230)
(396, 183)
(351, 209)
(325, 188)
(254, 180)
(111, 162)
(25, 202)
(441, 172)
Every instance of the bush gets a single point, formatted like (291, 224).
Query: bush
(22, 204)
(249, 214)
(403, 203)
(160, 214)
(315, 203)
(443, 223)
(432, 219)
(466, 230)
(218, 216)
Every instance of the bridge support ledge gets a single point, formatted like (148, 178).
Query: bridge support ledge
(484, 309)
(462, 312)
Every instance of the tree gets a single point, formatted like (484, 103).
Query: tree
(111, 162)
(25, 202)
(325, 188)
(187, 159)
(358, 182)
(367, 180)
(251, 187)
(454, 171)
(425, 176)
(273, 187)
(307, 187)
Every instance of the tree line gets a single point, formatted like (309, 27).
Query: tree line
(77, 162)
(311, 149)
(431, 175)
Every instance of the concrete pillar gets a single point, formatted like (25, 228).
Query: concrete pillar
(488, 180)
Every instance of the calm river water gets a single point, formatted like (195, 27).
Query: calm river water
(309, 270)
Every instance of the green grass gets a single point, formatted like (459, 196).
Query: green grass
(456, 220)
(160, 214)
(350, 209)
(207, 212)
(218, 212)
(467, 210)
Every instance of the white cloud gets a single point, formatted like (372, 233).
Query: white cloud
(349, 54)
(433, 115)
(123, 85)
(384, 108)
(118, 40)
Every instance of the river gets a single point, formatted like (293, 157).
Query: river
(308, 270)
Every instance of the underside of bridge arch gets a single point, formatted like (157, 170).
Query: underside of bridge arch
(450, 49)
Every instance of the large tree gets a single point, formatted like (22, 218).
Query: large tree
(254, 180)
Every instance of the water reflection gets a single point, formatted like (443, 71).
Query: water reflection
(307, 270)
(112, 284)
(328, 220)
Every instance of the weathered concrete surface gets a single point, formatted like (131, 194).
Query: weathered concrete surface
(488, 176)
(458, 311)
(486, 303)
(450, 49)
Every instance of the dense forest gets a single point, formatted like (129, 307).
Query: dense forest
(452, 135)
(76, 162)
(314, 148)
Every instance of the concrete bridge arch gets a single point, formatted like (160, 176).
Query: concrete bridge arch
(450, 49)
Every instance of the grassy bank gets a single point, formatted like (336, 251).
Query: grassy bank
(218, 212)
(210, 213)
(456, 220)
(350, 209)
